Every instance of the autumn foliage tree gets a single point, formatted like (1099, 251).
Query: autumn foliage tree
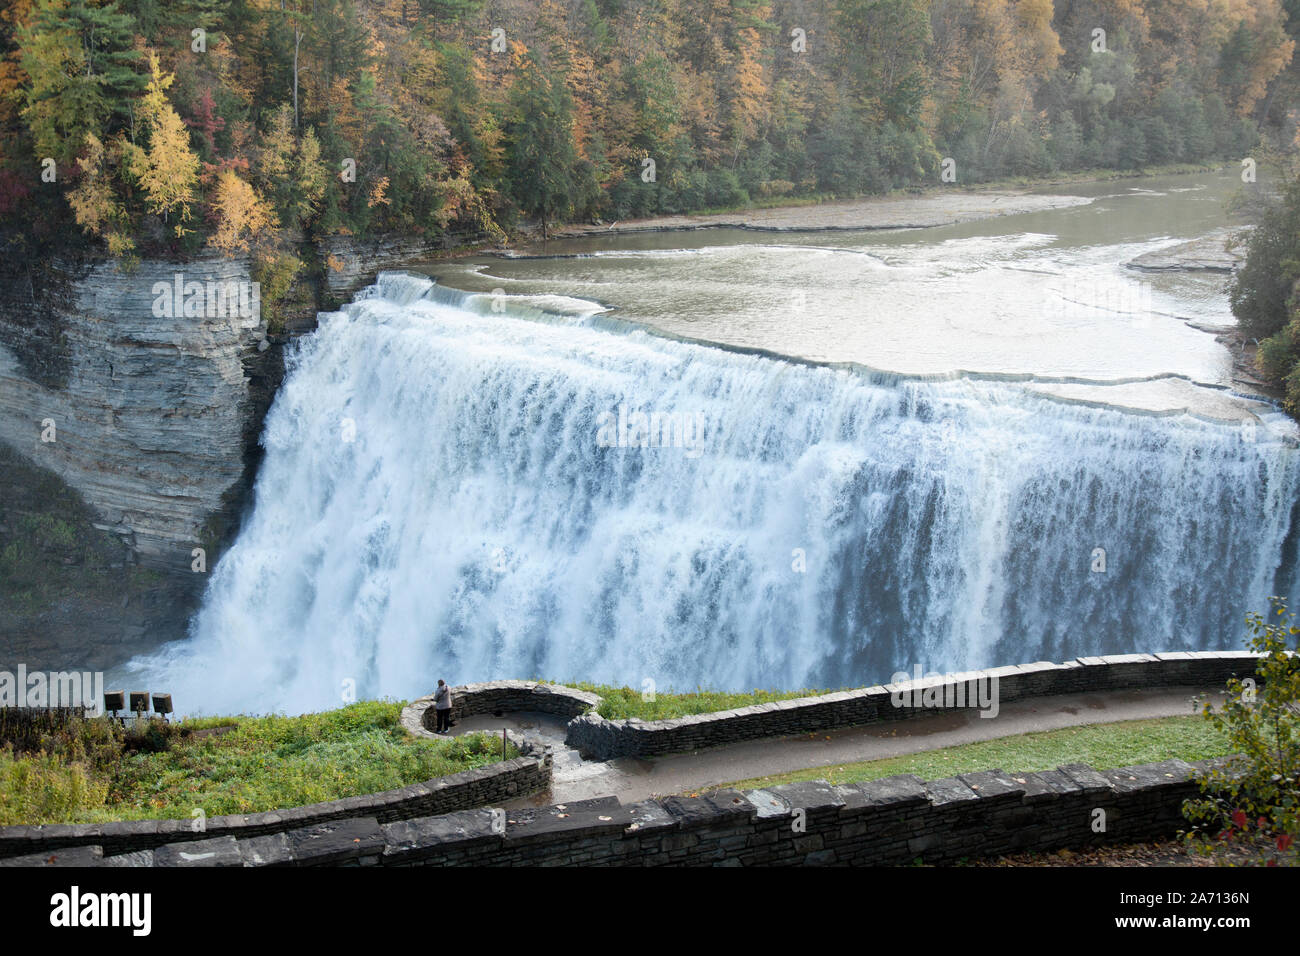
(241, 214)
(167, 170)
(465, 117)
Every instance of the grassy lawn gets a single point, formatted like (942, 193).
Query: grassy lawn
(1101, 746)
(91, 772)
(622, 702)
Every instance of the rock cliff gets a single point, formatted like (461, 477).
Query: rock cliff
(131, 404)
(148, 416)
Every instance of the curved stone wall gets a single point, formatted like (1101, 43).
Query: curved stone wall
(500, 697)
(599, 739)
(845, 823)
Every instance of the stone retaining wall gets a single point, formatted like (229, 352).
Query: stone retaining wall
(494, 783)
(500, 697)
(885, 821)
(892, 821)
(600, 739)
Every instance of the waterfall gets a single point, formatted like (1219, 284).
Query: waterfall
(452, 490)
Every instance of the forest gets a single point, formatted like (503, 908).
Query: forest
(147, 127)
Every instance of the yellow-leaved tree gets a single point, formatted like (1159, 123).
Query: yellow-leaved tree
(95, 204)
(168, 170)
(241, 214)
(311, 178)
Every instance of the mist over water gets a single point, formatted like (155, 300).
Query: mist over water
(434, 502)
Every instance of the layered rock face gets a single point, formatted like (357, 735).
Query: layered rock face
(130, 413)
(129, 418)
(350, 264)
(144, 407)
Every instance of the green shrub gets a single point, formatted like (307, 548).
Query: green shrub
(275, 272)
(1276, 356)
(45, 787)
(1255, 796)
(1261, 291)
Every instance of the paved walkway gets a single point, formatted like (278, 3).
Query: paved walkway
(632, 779)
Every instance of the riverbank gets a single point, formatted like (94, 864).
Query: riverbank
(916, 209)
(1222, 251)
(1216, 252)
(882, 212)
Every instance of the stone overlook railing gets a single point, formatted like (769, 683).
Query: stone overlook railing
(600, 739)
(890, 821)
(500, 697)
(493, 783)
(884, 821)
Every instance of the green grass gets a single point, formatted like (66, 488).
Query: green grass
(40, 788)
(621, 702)
(1102, 746)
(262, 763)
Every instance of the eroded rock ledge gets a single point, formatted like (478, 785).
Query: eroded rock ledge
(1215, 252)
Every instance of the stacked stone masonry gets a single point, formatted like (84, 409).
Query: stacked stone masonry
(500, 697)
(886, 821)
(600, 739)
(892, 821)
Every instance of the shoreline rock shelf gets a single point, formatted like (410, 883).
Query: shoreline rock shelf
(1210, 253)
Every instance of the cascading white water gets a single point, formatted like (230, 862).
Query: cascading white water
(438, 499)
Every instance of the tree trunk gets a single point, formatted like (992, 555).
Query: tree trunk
(297, 42)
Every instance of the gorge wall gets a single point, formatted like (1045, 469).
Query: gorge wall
(128, 439)
(147, 417)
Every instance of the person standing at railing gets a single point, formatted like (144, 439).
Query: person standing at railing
(442, 704)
